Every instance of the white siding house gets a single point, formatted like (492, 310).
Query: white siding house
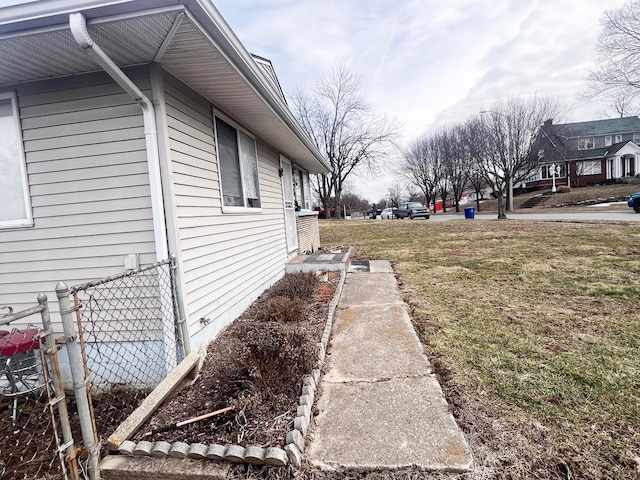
(195, 172)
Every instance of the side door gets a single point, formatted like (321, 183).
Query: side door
(289, 205)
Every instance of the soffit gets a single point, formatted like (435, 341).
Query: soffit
(190, 54)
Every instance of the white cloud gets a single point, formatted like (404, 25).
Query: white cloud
(429, 62)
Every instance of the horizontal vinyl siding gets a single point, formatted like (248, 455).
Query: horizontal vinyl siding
(88, 183)
(225, 257)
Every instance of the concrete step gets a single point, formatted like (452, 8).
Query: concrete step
(329, 261)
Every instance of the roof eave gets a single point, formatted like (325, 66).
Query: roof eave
(45, 15)
(227, 40)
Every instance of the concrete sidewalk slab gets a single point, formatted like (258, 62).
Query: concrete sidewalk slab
(380, 266)
(379, 406)
(370, 289)
(390, 424)
(360, 344)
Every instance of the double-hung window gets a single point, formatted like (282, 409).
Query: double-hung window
(238, 162)
(607, 141)
(585, 143)
(15, 208)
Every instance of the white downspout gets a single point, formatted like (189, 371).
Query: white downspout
(78, 26)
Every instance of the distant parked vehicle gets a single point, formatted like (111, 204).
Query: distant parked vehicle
(388, 213)
(412, 210)
(634, 202)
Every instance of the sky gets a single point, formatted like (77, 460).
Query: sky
(429, 63)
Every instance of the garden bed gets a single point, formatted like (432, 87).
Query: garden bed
(259, 369)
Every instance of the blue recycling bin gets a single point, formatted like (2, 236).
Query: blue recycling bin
(469, 212)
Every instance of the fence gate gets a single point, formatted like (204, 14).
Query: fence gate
(30, 374)
(129, 341)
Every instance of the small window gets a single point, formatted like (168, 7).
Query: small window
(15, 208)
(618, 138)
(238, 167)
(607, 141)
(636, 138)
(585, 143)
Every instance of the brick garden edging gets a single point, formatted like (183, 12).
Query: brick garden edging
(294, 441)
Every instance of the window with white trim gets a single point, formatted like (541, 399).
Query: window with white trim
(546, 171)
(636, 138)
(238, 160)
(586, 143)
(589, 167)
(15, 207)
(618, 138)
(607, 141)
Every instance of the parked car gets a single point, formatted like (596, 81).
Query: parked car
(634, 202)
(412, 210)
(388, 213)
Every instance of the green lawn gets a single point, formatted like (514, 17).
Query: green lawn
(534, 330)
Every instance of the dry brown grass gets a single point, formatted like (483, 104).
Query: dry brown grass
(533, 329)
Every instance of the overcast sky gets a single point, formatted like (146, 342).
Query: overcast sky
(429, 62)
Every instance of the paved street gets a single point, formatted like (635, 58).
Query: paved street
(553, 215)
(596, 215)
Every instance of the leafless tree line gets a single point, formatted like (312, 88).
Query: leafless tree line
(493, 150)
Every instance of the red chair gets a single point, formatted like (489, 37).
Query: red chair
(19, 363)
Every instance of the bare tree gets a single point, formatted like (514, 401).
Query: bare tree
(344, 127)
(619, 52)
(510, 131)
(395, 194)
(422, 167)
(456, 163)
(473, 130)
(353, 201)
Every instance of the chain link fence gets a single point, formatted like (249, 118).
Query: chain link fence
(129, 340)
(128, 329)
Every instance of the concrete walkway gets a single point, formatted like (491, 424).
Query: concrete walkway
(380, 406)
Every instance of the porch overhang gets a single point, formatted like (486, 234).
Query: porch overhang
(188, 38)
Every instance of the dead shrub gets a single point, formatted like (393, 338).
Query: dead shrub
(282, 309)
(277, 354)
(294, 285)
(563, 189)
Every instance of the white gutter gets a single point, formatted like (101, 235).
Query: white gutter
(78, 26)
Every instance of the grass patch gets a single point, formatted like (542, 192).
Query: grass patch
(534, 329)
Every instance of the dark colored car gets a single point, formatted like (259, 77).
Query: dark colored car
(412, 210)
(634, 202)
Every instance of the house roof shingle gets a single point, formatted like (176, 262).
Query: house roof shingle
(596, 127)
(559, 141)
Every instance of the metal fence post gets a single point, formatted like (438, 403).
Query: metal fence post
(60, 400)
(181, 318)
(89, 436)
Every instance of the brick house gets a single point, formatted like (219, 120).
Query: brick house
(586, 153)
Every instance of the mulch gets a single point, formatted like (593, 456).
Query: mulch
(264, 409)
(263, 413)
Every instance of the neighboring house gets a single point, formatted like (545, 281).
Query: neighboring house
(586, 153)
(145, 129)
